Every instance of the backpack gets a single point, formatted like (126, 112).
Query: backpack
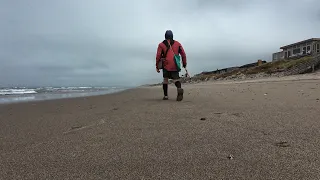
(176, 57)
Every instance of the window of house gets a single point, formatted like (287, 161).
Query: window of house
(308, 48)
(296, 51)
(304, 50)
(318, 46)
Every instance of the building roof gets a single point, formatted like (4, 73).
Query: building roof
(300, 42)
(251, 64)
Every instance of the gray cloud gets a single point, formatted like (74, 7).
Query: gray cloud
(104, 42)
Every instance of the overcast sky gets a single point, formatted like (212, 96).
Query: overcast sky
(104, 42)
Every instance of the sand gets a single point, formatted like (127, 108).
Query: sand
(249, 130)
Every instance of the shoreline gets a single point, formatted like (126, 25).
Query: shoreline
(300, 77)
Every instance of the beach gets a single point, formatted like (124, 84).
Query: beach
(261, 129)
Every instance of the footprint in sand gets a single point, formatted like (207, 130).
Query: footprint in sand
(76, 127)
(282, 144)
(236, 114)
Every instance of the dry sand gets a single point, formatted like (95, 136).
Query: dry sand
(252, 130)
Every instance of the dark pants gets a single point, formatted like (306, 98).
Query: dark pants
(171, 74)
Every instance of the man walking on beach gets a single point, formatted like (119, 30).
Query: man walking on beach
(167, 49)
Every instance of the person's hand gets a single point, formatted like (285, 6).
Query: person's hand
(158, 71)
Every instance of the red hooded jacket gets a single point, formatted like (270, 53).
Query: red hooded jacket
(169, 63)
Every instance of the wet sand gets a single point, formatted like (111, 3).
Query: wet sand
(252, 130)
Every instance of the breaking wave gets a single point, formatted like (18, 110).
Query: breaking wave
(17, 91)
(21, 91)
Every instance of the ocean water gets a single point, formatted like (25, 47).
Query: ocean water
(22, 94)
